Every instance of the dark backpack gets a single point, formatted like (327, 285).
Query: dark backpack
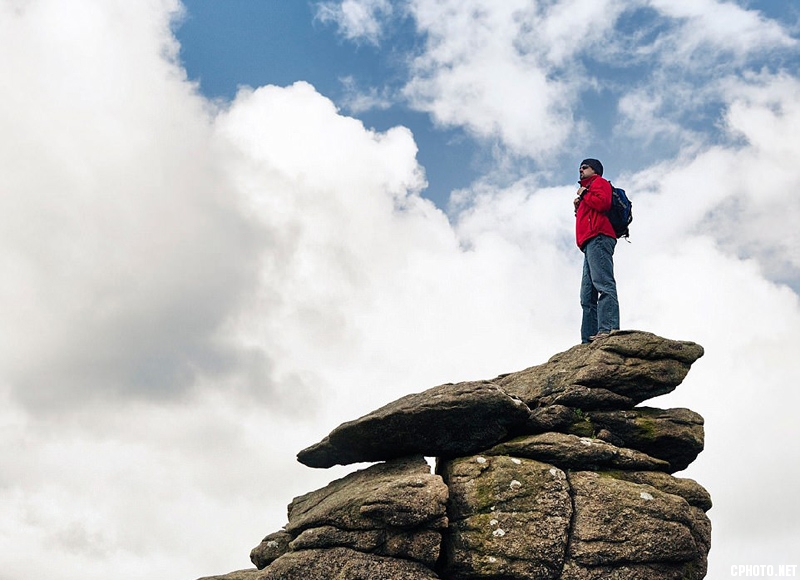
(621, 213)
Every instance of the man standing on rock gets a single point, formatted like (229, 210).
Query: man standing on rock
(596, 238)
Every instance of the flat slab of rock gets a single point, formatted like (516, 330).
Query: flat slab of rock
(343, 563)
(455, 420)
(577, 453)
(674, 435)
(510, 518)
(402, 493)
(616, 372)
(419, 545)
(397, 508)
(446, 421)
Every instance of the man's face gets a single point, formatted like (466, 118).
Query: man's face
(586, 171)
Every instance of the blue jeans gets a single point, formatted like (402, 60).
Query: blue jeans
(598, 288)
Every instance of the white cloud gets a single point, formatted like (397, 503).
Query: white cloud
(642, 111)
(114, 254)
(192, 296)
(691, 60)
(357, 19)
(743, 193)
(497, 69)
(708, 27)
(519, 73)
(357, 100)
(761, 216)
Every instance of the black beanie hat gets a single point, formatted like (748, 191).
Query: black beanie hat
(594, 164)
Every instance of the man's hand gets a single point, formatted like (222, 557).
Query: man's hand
(576, 202)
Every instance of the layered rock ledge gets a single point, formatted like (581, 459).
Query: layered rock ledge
(552, 472)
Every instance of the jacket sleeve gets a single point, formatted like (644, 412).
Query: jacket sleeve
(598, 196)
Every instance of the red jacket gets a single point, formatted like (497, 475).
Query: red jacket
(591, 219)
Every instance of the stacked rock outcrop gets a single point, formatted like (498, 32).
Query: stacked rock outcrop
(552, 472)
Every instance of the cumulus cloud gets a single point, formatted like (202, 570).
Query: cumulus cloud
(696, 52)
(356, 19)
(741, 192)
(758, 217)
(498, 70)
(122, 266)
(710, 27)
(192, 294)
(357, 100)
(518, 73)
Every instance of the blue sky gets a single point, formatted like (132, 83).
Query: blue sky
(199, 279)
(226, 45)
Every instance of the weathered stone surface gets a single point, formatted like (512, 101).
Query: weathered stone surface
(551, 473)
(701, 530)
(550, 418)
(420, 545)
(683, 571)
(691, 570)
(397, 508)
(674, 435)
(270, 548)
(402, 493)
(343, 564)
(694, 493)
(578, 453)
(617, 372)
(618, 523)
(250, 574)
(509, 517)
(430, 423)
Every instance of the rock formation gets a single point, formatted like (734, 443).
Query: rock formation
(548, 473)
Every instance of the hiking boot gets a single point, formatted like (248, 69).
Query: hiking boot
(598, 336)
